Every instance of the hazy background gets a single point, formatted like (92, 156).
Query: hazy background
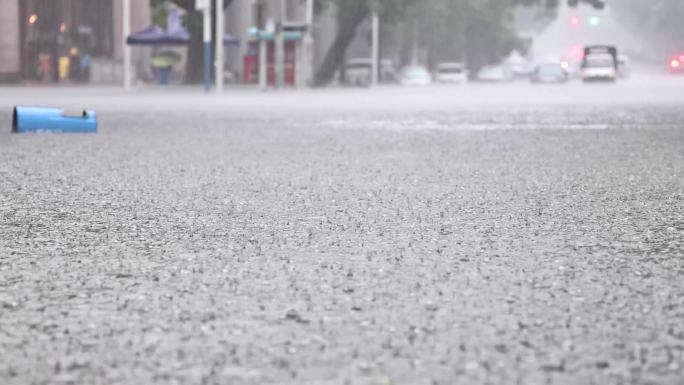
(80, 42)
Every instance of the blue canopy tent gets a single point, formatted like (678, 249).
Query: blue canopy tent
(152, 35)
(231, 40)
(156, 36)
(177, 36)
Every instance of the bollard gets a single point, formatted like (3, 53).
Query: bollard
(41, 119)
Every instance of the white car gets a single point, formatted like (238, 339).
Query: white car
(495, 74)
(451, 73)
(415, 76)
(599, 67)
(552, 72)
(358, 71)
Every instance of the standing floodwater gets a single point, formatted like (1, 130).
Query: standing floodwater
(478, 235)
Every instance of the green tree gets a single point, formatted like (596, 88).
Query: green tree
(349, 16)
(479, 30)
(476, 32)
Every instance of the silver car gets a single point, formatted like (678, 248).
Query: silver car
(451, 73)
(599, 67)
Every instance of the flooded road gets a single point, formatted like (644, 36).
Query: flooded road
(482, 235)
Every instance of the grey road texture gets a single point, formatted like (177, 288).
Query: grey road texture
(479, 235)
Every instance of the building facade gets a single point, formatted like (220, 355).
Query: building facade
(62, 40)
(66, 41)
(243, 15)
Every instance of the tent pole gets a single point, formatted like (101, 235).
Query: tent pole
(206, 38)
(220, 29)
(127, 57)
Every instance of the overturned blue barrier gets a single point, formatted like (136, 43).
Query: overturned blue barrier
(41, 119)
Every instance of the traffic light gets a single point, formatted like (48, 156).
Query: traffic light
(594, 21)
(575, 21)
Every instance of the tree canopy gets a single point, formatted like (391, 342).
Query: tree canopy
(663, 25)
(480, 31)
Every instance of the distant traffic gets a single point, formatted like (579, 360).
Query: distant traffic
(590, 64)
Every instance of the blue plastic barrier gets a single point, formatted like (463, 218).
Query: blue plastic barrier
(40, 119)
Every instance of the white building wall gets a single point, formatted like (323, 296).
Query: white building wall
(140, 19)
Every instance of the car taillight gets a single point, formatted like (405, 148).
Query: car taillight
(674, 64)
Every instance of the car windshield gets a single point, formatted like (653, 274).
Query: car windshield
(492, 71)
(450, 70)
(414, 72)
(550, 69)
(601, 61)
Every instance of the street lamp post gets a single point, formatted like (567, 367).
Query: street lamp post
(220, 25)
(205, 7)
(376, 50)
(308, 54)
(206, 40)
(127, 57)
(280, 46)
(263, 45)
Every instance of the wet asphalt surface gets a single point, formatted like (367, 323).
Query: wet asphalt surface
(488, 235)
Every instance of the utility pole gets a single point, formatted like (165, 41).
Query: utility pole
(308, 45)
(414, 54)
(263, 46)
(375, 76)
(205, 7)
(280, 46)
(220, 27)
(127, 57)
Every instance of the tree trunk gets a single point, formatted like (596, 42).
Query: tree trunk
(194, 66)
(350, 14)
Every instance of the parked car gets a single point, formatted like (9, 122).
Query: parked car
(495, 74)
(549, 73)
(358, 72)
(451, 73)
(415, 76)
